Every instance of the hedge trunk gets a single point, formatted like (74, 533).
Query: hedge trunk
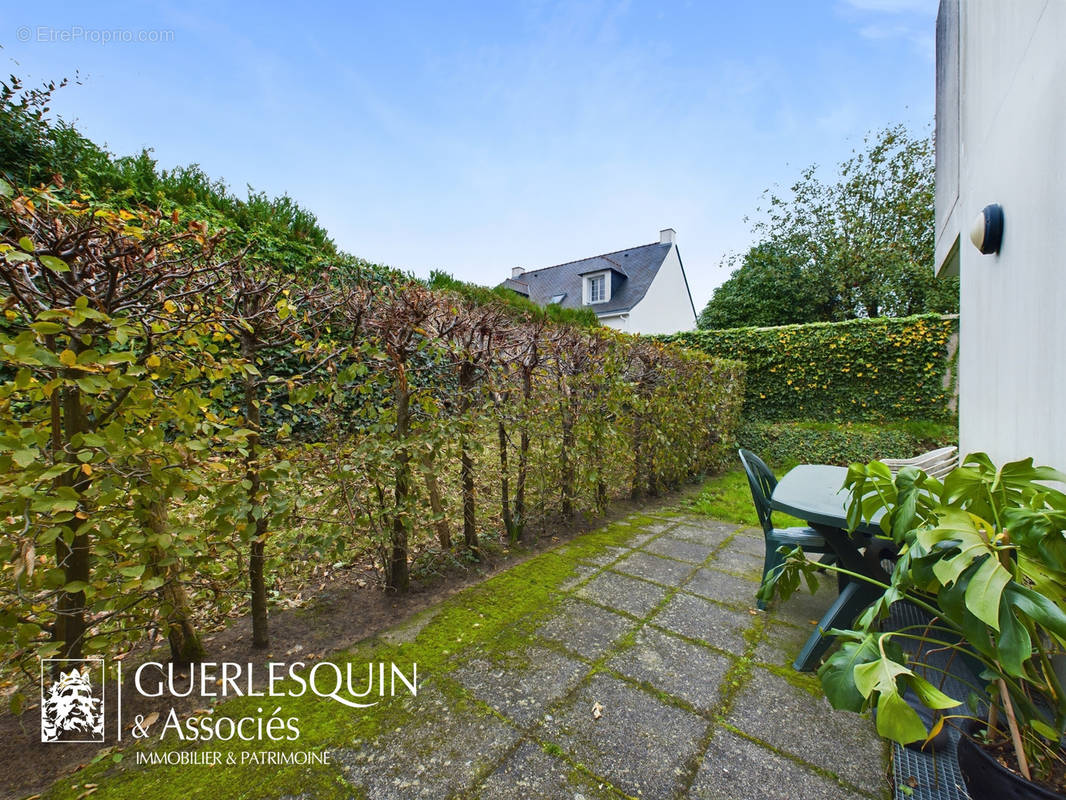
(185, 644)
(567, 412)
(466, 387)
(519, 520)
(68, 420)
(397, 578)
(505, 494)
(257, 523)
(429, 474)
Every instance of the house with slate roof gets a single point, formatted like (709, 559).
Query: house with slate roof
(639, 290)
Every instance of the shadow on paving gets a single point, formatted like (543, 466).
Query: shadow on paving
(653, 677)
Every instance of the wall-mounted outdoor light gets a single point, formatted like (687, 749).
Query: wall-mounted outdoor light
(987, 231)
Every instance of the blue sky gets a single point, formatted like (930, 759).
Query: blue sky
(473, 137)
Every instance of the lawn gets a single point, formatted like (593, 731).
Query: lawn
(727, 497)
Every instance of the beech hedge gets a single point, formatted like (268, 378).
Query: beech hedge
(863, 370)
(186, 431)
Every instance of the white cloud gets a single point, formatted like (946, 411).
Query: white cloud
(923, 41)
(884, 31)
(895, 6)
(895, 19)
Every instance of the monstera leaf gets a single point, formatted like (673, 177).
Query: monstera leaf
(838, 672)
(981, 488)
(908, 498)
(869, 670)
(967, 533)
(1037, 530)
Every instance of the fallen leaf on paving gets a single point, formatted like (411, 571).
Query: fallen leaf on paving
(597, 710)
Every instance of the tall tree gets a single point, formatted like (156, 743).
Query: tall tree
(769, 287)
(861, 246)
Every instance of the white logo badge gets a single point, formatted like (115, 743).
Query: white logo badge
(72, 703)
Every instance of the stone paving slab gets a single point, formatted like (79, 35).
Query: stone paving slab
(740, 561)
(726, 588)
(531, 773)
(608, 555)
(640, 744)
(435, 759)
(659, 526)
(586, 629)
(781, 643)
(735, 768)
(641, 538)
(793, 720)
(522, 688)
(681, 669)
(804, 609)
(623, 592)
(697, 618)
(750, 546)
(680, 549)
(582, 572)
(650, 631)
(655, 568)
(704, 532)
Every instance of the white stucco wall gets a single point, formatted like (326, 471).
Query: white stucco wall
(1011, 150)
(666, 308)
(620, 322)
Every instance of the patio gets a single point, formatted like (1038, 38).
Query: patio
(653, 676)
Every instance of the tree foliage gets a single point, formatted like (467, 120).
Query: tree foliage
(34, 148)
(768, 288)
(861, 246)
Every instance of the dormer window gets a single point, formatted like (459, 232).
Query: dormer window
(597, 288)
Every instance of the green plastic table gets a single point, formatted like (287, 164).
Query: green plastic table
(813, 493)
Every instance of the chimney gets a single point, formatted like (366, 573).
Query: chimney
(667, 236)
(516, 272)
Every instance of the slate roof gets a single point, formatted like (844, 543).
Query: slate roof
(637, 265)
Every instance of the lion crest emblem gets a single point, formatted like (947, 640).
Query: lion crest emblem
(71, 711)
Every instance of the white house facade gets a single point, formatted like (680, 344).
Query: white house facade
(1001, 141)
(639, 290)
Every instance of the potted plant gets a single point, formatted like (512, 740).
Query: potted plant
(983, 554)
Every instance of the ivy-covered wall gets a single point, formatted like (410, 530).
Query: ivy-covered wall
(863, 370)
(783, 443)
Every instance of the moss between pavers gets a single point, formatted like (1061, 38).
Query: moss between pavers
(737, 675)
(807, 681)
(504, 609)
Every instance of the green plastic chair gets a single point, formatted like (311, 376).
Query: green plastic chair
(762, 483)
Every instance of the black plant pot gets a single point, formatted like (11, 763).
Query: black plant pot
(987, 779)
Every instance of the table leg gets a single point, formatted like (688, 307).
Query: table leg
(855, 594)
(853, 598)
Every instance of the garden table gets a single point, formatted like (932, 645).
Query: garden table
(813, 493)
